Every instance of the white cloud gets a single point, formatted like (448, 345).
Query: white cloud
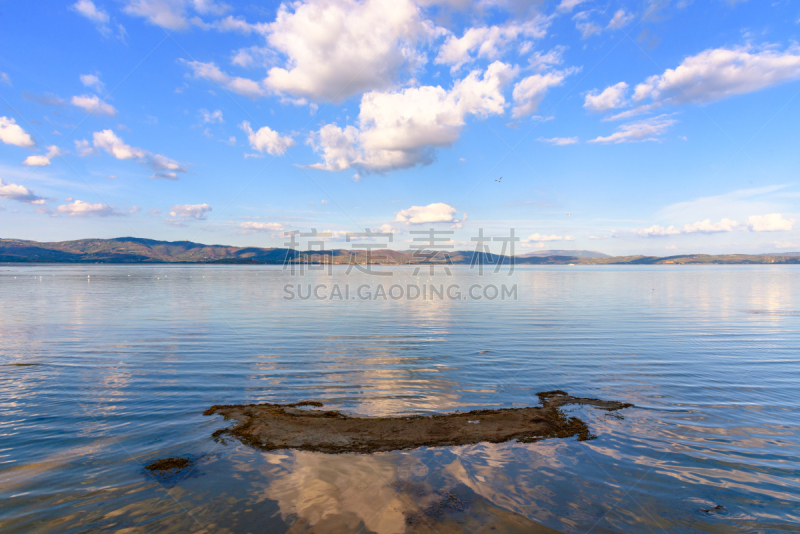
(173, 14)
(539, 238)
(252, 56)
(93, 104)
(773, 222)
(92, 80)
(432, 213)
(401, 129)
(568, 5)
(42, 161)
(19, 193)
(707, 227)
(194, 211)
(490, 42)
(757, 223)
(385, 229)
(12, 134)
(163, 163)
(99, 17)
(559, 141)
(166, 168)
(716, 74)
(586, 27)
(529, 92)
(108, 141)
(331, 46)
(80, 208)
(250, 227)
(212, 116)
(231, 24)
(241, 86)
(267, 140)
(735, 204)
(611, 98)
(88, 9)
(460, 223)
(545, 60)
(620, 20)
(5, 78)
(787, 244)
(646, 130)
(84, 148)
(91, 11)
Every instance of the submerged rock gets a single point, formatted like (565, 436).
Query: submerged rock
(288, 426)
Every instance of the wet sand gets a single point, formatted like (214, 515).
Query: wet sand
(298, 426)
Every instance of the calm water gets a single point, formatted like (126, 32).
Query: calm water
(128, 357)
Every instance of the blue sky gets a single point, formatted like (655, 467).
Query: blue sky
(637, 127)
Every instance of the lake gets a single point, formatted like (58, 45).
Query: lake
(108, 367)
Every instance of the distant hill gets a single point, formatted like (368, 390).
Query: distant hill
(136, 250)
(782, 254)
(573, 253)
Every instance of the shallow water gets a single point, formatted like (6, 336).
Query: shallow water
(128, 357)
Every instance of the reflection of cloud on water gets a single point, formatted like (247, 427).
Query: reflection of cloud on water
(321, 489)
(487, 470)
(381, 493)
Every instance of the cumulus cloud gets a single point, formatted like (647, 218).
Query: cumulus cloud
(401, 129)
(568, 5)
(773, 222)
(432, 213)
(331, 46)
(100, 18)
(12, 133)
(212, 116)
(584, 25)
(92, 104)
(173, 14)
(250, 227)
(112, 144)
(620, 20)
(539, 238)
(84, 148)
(19, 193)
(80, 208)
(646, 130)
(559, 141)
(488, 42)
(166, 168)
(719, 73)
(241, 86)
(539, 60)
(529, 92)
(611, 98)
(232, 24)
(267, 140)
(163, 163)
(92, 80)
(190, 211)
(43, 160)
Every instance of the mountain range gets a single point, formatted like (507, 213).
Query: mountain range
(138, 250)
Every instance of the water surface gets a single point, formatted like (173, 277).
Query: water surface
(120, 362)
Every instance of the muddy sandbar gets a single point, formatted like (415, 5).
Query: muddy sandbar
(294, 426)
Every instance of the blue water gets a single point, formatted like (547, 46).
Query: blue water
(128, 357)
